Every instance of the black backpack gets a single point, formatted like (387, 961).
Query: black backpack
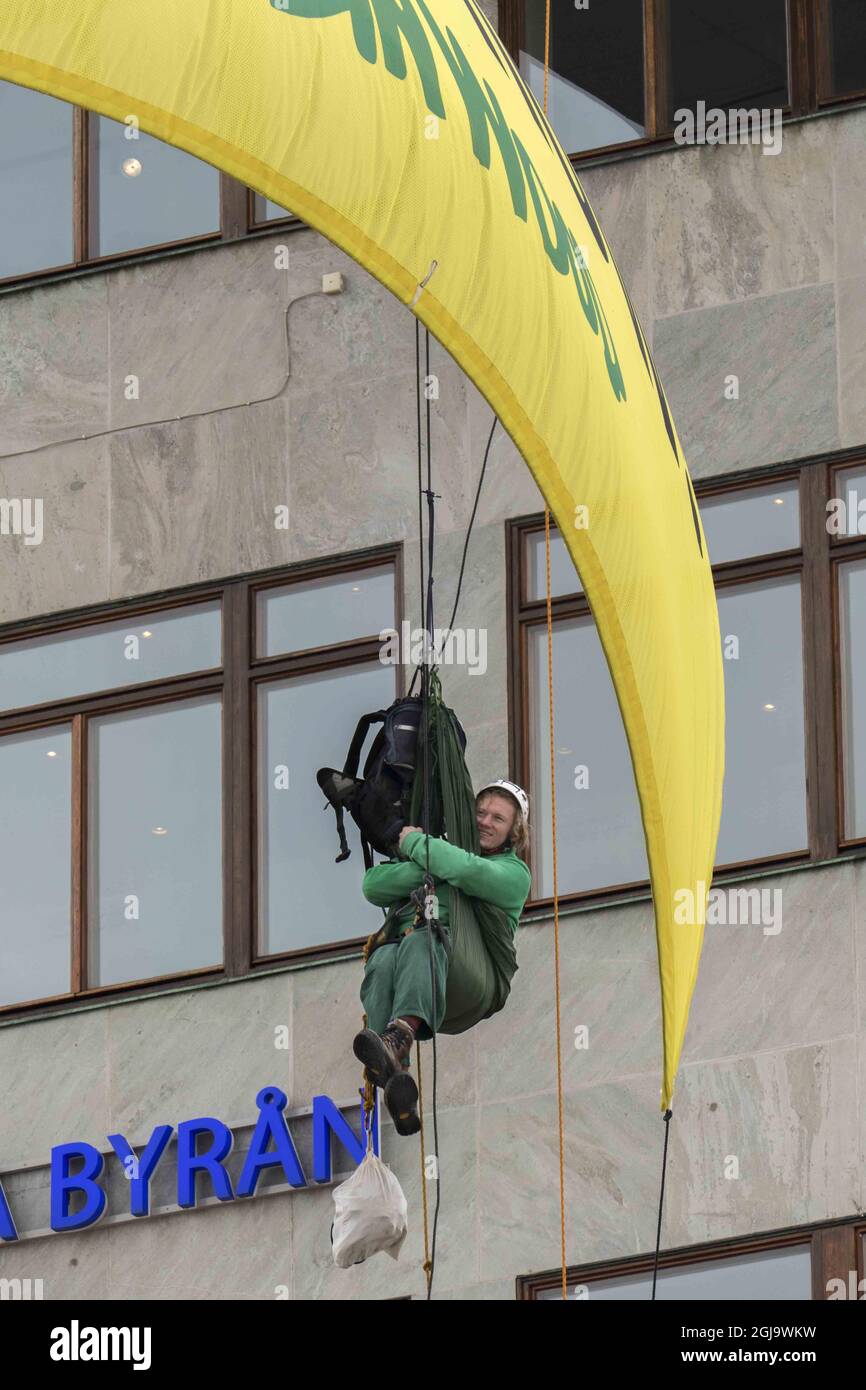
(379, 802)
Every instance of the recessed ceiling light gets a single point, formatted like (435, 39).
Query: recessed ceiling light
(131, 167)
(159, 830)
(779, 501)
(769, 706)
(147, 632)
(51, 753)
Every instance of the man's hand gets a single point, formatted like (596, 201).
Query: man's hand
(407, 830)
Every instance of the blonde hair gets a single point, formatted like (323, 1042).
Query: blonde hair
(518, 836)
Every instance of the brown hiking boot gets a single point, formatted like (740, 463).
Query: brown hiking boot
(386, 1054)
(401, 1098)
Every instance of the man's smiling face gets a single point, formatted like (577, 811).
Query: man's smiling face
(495, 817)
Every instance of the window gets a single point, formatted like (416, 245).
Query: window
(844, 53)
(620, 72)
(809, 1262)
(36, 174)
(852, 651)
(790, 570)
(730, 55)
(154, 813)
(298, 907)
(264, 211)
(80, 187)
(596, 80)
(145, 192)
(157, 766)
(846, 523)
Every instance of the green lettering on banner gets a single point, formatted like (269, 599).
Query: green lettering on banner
(393, 18)
(398, 19)
(483, 111)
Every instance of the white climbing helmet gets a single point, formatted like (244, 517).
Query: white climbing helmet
(517, 792)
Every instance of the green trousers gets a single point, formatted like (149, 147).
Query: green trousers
(397, 981)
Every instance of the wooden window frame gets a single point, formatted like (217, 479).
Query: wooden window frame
(816, 562)
(291, 220)
(235, 681)
(809, 87)
(836, 1249)
(233, 211)
(843, 550)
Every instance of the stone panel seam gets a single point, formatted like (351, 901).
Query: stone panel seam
(747, 299)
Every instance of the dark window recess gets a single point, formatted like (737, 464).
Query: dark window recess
(847, 39)
(596, 82)
(729, 55)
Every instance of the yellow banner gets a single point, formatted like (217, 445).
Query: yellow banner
(401, 130)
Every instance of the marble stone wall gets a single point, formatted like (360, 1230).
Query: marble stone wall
(255, 390)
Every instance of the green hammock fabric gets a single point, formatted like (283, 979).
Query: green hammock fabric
(483, 953)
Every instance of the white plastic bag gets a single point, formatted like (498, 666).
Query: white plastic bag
(371, 1213)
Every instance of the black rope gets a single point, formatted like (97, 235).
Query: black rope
(471, 524)
(667, 1120)
(424, 667)
(468, 533)
(420, 488)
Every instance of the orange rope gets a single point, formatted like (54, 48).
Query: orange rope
(553, 793)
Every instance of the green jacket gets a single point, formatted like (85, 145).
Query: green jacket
(500, 878)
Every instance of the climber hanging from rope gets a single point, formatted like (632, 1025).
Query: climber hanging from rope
(397, 991)
(445, 955)
(454, 881)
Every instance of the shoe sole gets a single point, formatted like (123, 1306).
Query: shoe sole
(369, 1049)
(401, 1097)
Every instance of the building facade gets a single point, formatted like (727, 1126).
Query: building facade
(208, 466)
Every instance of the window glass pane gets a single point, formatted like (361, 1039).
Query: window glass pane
(766, 1275)
(306, 899)
(598, 822)
(730, 56)
(149, 192)
(598, 818)
(846, 513)
(595, 86)
(756, 521)
(155, 817)
(564, 578)
(36, 175)
(852, 651)
(847, 46)
(323, 612)
(764, 805)
(265, 211)
(125, 652)
(35, 864)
